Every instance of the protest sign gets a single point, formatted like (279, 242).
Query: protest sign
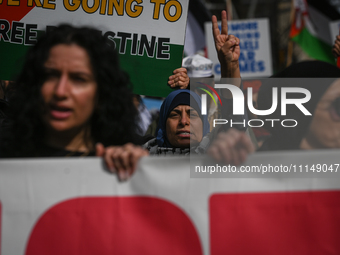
(256, 57)
(148, 35)
(73, 206)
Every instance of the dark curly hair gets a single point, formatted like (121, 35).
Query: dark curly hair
(113, 121)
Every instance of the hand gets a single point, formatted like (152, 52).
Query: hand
(180, 79)
(231, 147)
(227, 48)
(122, 160)
(336, 47)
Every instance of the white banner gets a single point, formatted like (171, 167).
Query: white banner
(73, 206)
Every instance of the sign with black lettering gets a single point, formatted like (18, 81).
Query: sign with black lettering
(255, 58)
(148, 35)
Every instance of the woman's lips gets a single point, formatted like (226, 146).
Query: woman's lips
(184, 134)
(60, 113)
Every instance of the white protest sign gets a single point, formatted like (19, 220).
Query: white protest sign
(255, 58)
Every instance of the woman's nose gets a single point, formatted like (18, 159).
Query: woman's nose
(185, 119)
(61, 88)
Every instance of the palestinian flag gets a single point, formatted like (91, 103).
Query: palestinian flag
(310, 28)
(148, 36)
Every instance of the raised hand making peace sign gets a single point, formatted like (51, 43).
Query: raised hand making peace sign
(227, 48)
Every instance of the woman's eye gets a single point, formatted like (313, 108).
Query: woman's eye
(193, 114)
(173, 115)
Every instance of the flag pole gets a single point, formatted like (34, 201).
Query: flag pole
(290, 46)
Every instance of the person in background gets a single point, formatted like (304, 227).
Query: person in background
(317, 131)
(147, 122)
(71, 98)
(182, 130)
(181, 127)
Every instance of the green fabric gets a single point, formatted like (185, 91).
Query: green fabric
(314, 47)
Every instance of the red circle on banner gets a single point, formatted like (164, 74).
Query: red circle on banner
(114, 225)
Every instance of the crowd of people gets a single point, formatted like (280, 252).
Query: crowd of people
(73, 99)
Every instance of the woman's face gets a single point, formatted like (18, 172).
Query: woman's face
(69, 91)
(324, 131)
(183, 126)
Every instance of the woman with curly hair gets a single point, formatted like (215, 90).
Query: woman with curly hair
(70, 96)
